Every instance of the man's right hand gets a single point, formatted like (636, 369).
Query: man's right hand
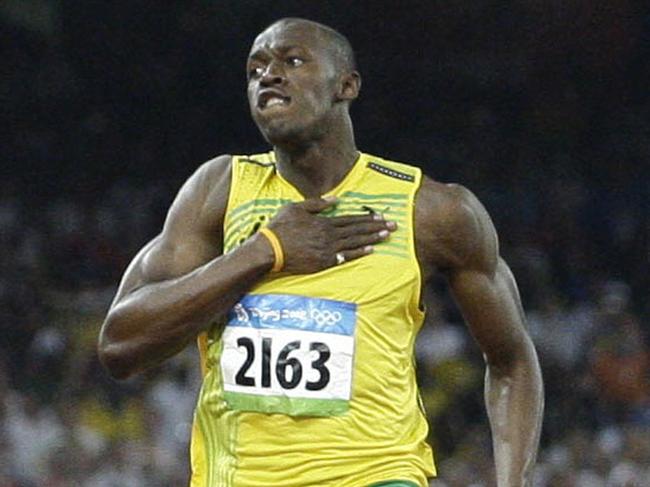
(310, 241)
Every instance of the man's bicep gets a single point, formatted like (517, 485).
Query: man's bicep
(135, 275)
(490, 304)
(480, 280)
(161, 260)
(191, 234)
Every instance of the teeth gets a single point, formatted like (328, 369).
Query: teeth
(274, 101)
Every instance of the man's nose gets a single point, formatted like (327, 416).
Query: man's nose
(272, 75)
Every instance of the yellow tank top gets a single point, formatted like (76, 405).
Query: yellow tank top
(312, 380)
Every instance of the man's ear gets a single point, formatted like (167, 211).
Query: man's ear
(349, 86)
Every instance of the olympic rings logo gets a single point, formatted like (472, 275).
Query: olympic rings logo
(325, 317)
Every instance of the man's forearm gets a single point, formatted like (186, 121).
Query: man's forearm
(156, 321)
(515, 401)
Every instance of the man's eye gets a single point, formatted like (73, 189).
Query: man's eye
(294, 61)
(255, 72)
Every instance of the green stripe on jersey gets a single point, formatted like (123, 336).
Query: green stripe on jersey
(366, 196)
(274, 202)
(294, 406)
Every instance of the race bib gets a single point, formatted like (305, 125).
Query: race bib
(289, 354)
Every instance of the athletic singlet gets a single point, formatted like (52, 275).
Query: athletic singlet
(312, 380)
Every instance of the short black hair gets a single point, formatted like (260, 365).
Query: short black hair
(337, 41)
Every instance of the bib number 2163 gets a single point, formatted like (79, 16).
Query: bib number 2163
(289, 354)
(287, 369)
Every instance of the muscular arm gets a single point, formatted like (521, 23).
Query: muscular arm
(180, 283)
(460, 240)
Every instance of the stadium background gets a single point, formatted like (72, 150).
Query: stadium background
(542, 108)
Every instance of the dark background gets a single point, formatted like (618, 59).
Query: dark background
(542, 108)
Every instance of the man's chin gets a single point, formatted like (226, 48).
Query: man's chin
(280, 134)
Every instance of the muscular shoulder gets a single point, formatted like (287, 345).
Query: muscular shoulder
(452, 228)
(195, 217)
(191, 234)
(215, 175)
(201, 200)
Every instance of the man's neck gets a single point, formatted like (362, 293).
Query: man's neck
(318, 167)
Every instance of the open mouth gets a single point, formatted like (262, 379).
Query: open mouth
(270, 99)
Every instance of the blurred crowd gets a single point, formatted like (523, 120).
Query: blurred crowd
(107, 114)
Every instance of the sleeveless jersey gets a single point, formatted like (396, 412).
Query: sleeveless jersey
(311, 382)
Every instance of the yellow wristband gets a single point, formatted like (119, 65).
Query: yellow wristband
(277, 248)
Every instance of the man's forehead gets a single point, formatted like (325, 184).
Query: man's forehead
(279, 35)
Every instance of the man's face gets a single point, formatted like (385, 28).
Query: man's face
(292, 82)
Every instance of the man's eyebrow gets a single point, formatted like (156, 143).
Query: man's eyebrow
(291, 47)
(262, 52)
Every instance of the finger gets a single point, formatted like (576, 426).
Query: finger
(359, 241)
(349, 255)
(356, 220)
(366, 228)
(341, 221)
(316, 205)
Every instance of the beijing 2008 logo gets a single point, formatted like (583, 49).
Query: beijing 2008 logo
(325, 316)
